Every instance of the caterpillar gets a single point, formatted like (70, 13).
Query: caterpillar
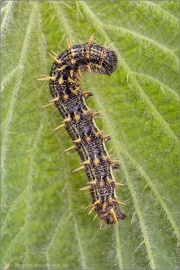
(78, 120)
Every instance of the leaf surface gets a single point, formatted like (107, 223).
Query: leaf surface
(44, 221)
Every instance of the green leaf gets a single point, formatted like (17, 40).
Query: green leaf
(44, 221)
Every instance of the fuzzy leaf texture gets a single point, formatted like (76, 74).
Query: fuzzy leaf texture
(44, 221)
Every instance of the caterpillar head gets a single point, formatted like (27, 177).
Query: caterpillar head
(109, 62)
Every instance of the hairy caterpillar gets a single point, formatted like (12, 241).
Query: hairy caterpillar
(78, 119)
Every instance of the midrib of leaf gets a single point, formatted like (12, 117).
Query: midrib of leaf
(100, 29)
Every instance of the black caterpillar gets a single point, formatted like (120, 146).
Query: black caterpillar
(78, 119)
